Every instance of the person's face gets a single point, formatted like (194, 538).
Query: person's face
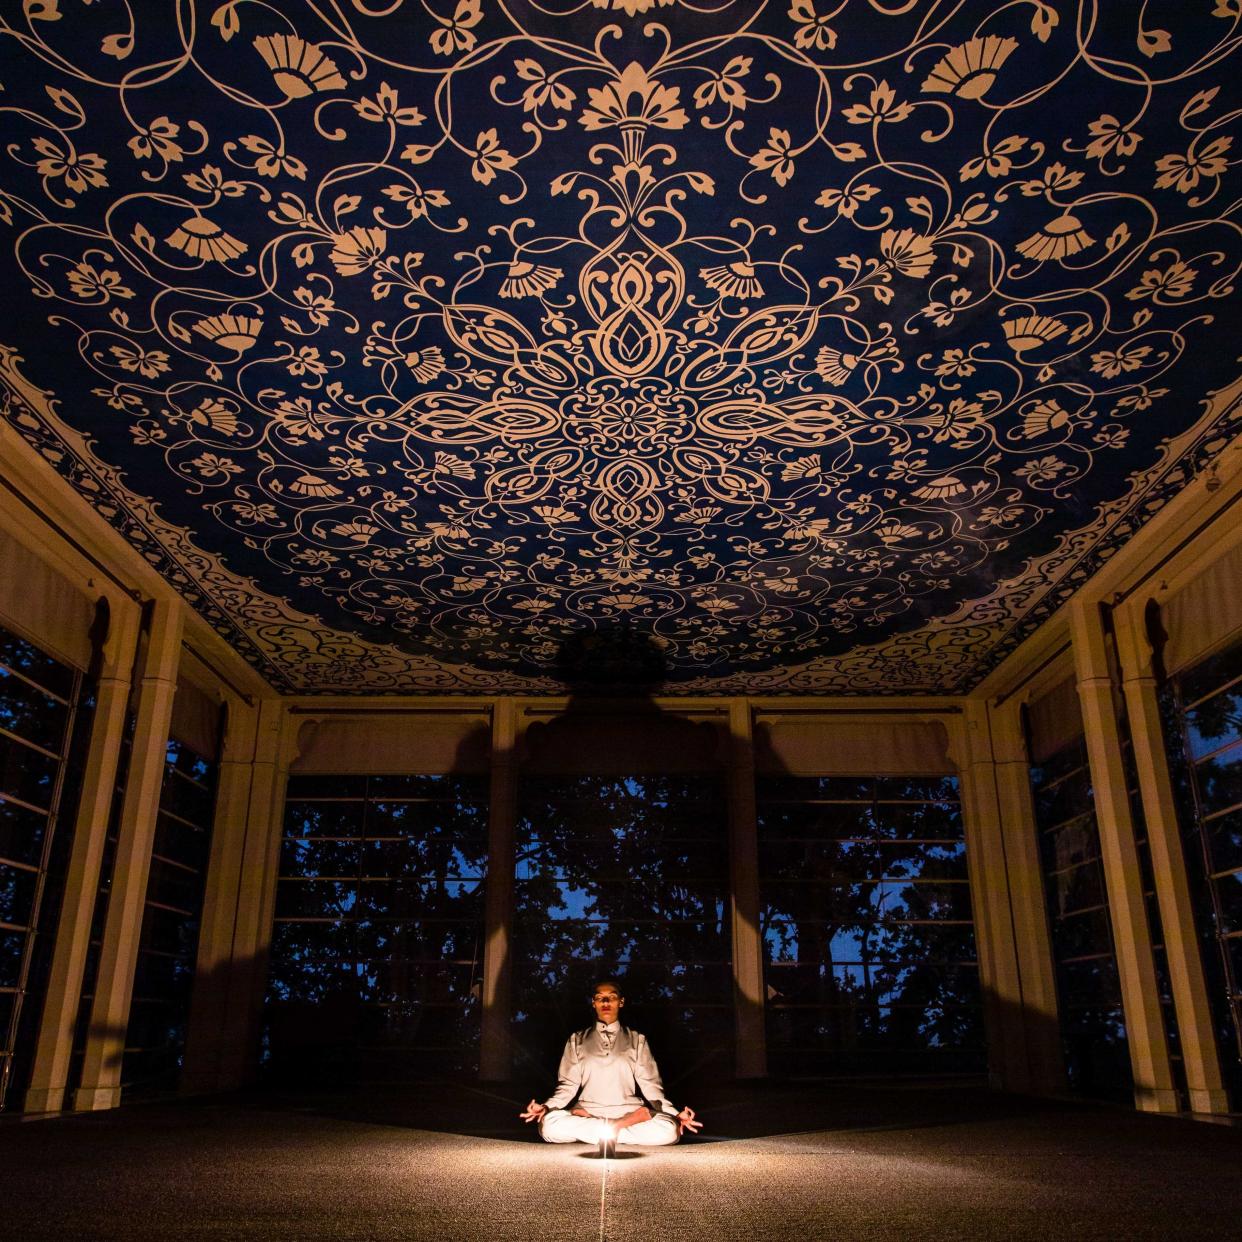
(607, 1002)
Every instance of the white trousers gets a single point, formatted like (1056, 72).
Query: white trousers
(560, 1126)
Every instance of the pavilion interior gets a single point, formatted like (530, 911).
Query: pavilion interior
(744, 496)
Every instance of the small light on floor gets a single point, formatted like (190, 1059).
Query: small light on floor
(607, 1140)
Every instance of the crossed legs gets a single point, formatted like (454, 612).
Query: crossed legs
(561, 1126)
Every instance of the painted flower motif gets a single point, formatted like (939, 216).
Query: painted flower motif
(489, 157)
(426, 363)
(834, 367)
(158, 138)
(847, 201)
(1110, 363)
(1108, 134)
(456, 33)
(776, 156)
(357, 250)
(543, 88)
(236, 332)
(907, 252)
(417, 201)
(996, 163)
(77, 171)
(316, 305)
(298, 68)
(357, 531)
(631, 8)
(893, 530)
(554, 515)
(625, 601)
(970, 69)
(1031, 331)
(146, 362)
(1042, 418)
(272, 160)
(955, 362)
(384, 108)
(1041, 470)
(310, 485)
(307, 362)
(1175, 281)
(802, 468)
(813, 33)
(90, 283)
(1057, 240)
(733, 280)
(725, 86)
(528, 280)
(1184, 172)
(201, 238)
(634, 101)
(213, 466)
(881, 106)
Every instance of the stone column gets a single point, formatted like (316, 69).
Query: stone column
(1200, 1052)
(750, 1054)
(1041, 1023)
(105, 1038)
(256, 898)
(989, 890)
(214, 965)
(54, 1044)
(496, 1051)
(1149, 1053)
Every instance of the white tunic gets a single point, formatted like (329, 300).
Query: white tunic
(612, 1070)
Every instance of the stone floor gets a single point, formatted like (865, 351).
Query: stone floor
(809, 1161)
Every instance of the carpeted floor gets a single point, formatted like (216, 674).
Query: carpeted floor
(864, 1161)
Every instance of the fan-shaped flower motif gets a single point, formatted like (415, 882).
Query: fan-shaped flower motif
(970, 69)
(1031, 331)
(631, 8)
(356, 250)
(201, 238)
(634, 101)
(1058, 239)
(1043, 417)
(426, 363)
(834, 367)
(299, 68)
(313, 485)
(358, 530)
(941, 488)
(733, 280)
(909, 253)
(894, 530)
(215, 413)
(624, 601)
(802, 468)
(236, 332)
(528, 280)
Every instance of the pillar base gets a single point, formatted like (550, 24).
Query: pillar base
(1156, 1100)
(44, 1100)
(1208, 1100)
(92, 1099)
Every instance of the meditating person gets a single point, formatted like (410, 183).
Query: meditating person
(608, 1075)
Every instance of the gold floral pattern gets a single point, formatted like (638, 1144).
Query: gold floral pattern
(826, 344)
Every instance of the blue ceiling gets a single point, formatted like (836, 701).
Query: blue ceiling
(824, 346)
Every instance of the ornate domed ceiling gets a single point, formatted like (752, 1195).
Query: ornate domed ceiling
(828, 345)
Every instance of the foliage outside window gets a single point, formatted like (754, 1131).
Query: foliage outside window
(40, 701)
(172, 912)
(626, 874)
(1204, 712)
(865, 915)
(377, 947)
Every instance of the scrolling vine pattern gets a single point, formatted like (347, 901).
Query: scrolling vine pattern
(774, 330)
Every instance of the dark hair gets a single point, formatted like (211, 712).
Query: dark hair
(613, 979)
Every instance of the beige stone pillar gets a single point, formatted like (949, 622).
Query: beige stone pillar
(214, 965)
(105, 1038)
(1149, 1053)
(54, 1044)
(1027, 903)
(989, 889)
(1200, 1052)
(750, 1053)
(256, 898)
(496, 1044)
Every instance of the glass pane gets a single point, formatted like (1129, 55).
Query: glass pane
(27, 774)
(17, 895)
(1220, 780)
(35, 664)
(31, 714)
(21, 833)
(1215, 723)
